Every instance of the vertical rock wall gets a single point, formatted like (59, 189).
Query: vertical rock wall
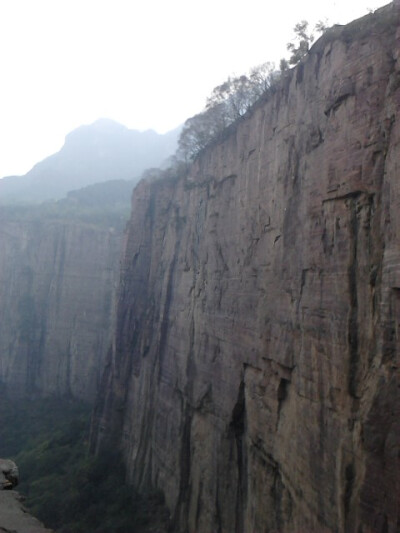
(254, 370)
(56, 285)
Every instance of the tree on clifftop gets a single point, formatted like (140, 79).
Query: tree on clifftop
(227, 103)
(302, 41)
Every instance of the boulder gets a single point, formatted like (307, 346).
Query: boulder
(8, 474)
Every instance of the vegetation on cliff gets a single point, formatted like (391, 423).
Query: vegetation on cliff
(254, 342)
(102, 204)
(234, 98)
(66, 488)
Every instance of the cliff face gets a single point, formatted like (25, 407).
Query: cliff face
(56, 284)
(254, 370)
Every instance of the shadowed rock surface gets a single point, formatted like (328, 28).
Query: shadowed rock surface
(8, 474)
(254, 369)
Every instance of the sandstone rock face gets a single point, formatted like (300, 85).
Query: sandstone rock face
(254, 375)
(56, 285)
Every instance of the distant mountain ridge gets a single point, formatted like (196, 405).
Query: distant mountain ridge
(102, 151)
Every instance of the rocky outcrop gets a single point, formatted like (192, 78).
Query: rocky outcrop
(254, 374)
(8, 474)
(14, 518)
(57, 279)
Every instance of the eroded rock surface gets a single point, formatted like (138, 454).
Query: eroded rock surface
(254, 375)
(57, 280)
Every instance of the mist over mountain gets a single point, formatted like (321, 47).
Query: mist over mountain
(102, 151)
(237, 339)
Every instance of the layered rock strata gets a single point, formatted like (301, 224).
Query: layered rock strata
(57, 280)
(254, 374)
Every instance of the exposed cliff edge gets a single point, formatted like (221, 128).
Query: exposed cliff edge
(14, 518)
(254, 369)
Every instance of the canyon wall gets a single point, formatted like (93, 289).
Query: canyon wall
(57, 280)
(253, 375)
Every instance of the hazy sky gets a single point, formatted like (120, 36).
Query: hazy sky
(148, 64)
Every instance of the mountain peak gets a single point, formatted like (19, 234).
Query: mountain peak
(92, 153)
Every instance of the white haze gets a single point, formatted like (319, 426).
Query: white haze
(147, 64)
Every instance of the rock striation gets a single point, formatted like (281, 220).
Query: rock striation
(57, 280)
(254, 371)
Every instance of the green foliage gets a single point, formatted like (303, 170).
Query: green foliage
(301, 44)
(109, 195)
(198, 131)
(68, 212)
(303, 39)
(227, 103)
(231, 100)
(103, 205)
(25, 423)
(238, 94)
(66, 488)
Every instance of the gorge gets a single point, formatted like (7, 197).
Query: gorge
(61, 229)
(57, 278)
(249, 367)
